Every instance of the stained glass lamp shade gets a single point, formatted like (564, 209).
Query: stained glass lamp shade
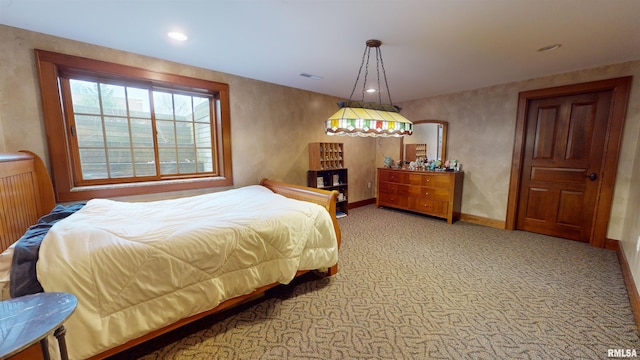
(360, 118)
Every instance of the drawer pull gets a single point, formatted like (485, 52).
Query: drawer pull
(426, 193)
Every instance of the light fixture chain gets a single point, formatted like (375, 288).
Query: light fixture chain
(359, 71)
(366, 72)
(378, 59)
(384, 73)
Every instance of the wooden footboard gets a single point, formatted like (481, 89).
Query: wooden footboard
(321, 197)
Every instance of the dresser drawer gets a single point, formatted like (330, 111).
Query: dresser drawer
(388, 188)
(424, 192)
(439, 181)
(431, 207)
(432, 193)
(415, 179)
(409, 191)
(391, 176)
(393, 200)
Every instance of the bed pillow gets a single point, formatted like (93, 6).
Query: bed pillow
(25, 255)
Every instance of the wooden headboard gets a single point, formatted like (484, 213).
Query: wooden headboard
(26, 194)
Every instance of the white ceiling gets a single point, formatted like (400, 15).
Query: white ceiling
(429, 47)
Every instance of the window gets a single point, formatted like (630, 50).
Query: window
(131, 132)
(115, 130)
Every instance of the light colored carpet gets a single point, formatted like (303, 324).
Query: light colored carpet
(413, 287)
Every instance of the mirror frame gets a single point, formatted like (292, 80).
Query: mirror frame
(444, 137)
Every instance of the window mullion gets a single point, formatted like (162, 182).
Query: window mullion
(175, 134)
(154, 129)
(193, 133)
(104, 132)
(130, 130)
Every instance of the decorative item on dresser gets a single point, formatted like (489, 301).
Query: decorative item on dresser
(326, 164)
(435, 193)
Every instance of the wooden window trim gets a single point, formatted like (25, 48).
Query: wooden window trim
(51, 64)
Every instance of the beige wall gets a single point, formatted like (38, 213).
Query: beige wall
(271, 125)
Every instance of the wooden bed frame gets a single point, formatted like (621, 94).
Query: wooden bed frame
(26, 194)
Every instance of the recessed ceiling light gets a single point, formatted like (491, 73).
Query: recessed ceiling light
(549, 47)
(311, 76)
(177, 36)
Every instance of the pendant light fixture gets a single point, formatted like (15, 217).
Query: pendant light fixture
(360, 118)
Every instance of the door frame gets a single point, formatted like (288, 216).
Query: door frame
(620, 95)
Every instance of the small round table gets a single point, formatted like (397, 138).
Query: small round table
(28, 319)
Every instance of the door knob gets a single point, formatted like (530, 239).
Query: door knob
(593, 177)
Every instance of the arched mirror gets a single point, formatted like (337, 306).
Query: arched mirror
(429, 139)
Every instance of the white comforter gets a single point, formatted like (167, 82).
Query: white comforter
(136, 267)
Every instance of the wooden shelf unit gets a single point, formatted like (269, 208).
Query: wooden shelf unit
(332, 180)
(326, 156)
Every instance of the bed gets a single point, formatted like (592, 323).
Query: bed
(136, 280)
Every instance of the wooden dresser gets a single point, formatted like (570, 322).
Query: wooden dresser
(435, 193)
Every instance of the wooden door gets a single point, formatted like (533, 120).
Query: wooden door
(565, 159)
(563, 163)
